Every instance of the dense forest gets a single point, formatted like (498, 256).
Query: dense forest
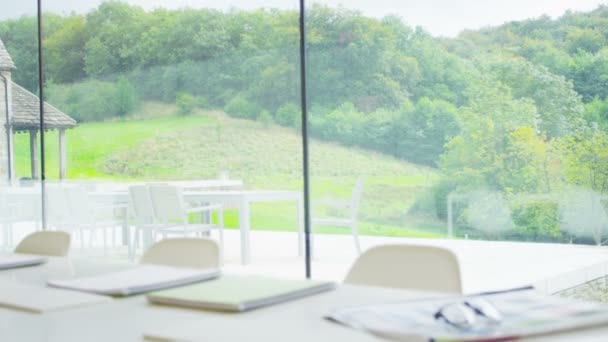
(516, 109)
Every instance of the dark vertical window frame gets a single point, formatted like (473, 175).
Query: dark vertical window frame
(304, 102)
(41, 102)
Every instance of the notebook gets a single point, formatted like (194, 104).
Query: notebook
(239, 293)
(525, 313)
(140, 279)
(8, 261)
(43, 299)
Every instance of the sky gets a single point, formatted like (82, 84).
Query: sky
(439, 17)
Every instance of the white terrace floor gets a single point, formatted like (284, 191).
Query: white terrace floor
(486, 265)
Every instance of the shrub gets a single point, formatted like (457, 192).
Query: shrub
(94, 100)
(126, 99)
(240, 107)
(289, 115)
(537, 221)
(186, 103)
(265, 118)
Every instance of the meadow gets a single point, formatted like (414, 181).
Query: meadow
(155, 143)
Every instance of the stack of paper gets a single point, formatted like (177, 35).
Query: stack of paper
(41, 299)
(239, 293)
(524, 313)
(137, 280)
(8, 261)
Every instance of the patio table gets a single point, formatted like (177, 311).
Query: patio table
(243, 200)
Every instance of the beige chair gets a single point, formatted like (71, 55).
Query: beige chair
(407, 266)
(51, 243)
(183, 252)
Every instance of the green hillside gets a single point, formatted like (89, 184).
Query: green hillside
(165, 146)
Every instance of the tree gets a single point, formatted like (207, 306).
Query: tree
(560, 110)
(99, 61)
(65, 50)
(126, 97)
(587, 40)
(586, 160)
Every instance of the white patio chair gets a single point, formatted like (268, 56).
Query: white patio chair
(11, 212)
(350, 221)
(86, 214)
(146, 223)
(407, 266)
(171, 210)
(56, 206)
(50, 243)
(183, 252)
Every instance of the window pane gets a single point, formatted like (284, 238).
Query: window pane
(484, 133)
(186, 97)
(20, 200)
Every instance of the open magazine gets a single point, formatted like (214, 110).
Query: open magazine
(524, 313)
(140, 279)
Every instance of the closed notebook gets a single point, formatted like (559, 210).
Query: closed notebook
(137, 280)
(8, 261)
(239, 293)
(43, 299)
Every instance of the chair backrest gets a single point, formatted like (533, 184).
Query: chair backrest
(51, 243)
(78, 203)
(141, 203)
(5, 212)
(167, 201)
(408, 266)
(184, 252)
(356, 199)
(56, 203)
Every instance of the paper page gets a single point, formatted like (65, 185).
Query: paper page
(8, 261)
(139, 279)
(43, 299)
(525, 313)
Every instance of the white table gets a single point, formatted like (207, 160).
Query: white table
(129, 319)
(242, 200)
(204, 184)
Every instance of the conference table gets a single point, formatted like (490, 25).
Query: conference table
(133, 319)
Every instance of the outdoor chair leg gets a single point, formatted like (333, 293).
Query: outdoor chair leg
(81, 233)
(135, 243)
(91, 236)
(356, 238)
(114, 235)
(312, 240)
(105, 238)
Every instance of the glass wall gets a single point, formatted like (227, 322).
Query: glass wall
(169, 121)
(429, 129)
(20, 199)
(484, 133)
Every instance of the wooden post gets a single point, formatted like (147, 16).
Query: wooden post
(34, 153)
(62, 156)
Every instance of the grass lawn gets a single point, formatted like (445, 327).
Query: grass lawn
(89, 144)
(155, 144)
